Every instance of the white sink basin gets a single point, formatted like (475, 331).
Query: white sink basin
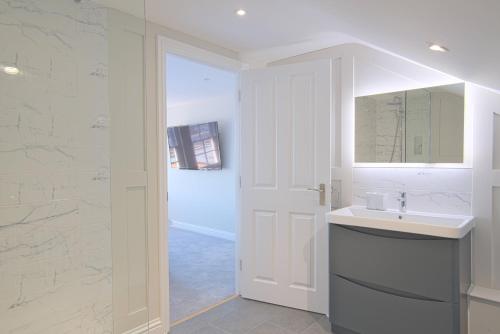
(438, 225)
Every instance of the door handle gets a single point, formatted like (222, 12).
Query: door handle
(322, 193)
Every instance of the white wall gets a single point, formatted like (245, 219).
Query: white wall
(197, 93)
(472, 189)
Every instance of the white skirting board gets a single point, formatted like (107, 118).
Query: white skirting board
(203, 230)
(154, 327)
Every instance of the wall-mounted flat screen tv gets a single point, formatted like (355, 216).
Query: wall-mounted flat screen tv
(194, 146)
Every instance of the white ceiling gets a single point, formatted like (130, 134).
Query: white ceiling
(269, 23)
(469, 28)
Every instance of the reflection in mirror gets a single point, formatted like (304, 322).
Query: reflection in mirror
(416, 126)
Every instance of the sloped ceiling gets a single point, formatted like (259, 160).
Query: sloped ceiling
(469, 28)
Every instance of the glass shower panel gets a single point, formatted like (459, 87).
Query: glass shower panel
(380, 129)
(423, 125)
(60, 92)
(418, 126)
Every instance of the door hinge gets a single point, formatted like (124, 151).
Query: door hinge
(240, 182)
(239, 96)
(241, 265)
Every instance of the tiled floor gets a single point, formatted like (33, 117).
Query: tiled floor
(201, 272)
(242, 316)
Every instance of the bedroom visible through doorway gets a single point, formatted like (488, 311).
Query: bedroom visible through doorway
(202, 185)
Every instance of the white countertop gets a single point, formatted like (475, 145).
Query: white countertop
(438, 225)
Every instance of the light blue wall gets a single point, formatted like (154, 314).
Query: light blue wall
(197, 93)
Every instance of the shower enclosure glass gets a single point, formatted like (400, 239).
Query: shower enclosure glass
(381, 121)
(416, 126)
(62, 85)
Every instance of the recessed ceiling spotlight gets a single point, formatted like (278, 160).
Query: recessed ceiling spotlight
(438, 48)
(11, 70)
(241, 12)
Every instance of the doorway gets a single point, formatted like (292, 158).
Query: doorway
(202, 173)
(282, 180)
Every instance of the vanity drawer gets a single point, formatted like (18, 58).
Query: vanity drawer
(359, 309)
(419, 265)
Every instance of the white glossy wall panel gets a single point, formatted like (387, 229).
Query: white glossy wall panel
(129, 173)
(496, 237)
(496, 140)
(133, 95)
(482, 104)
(136, 249)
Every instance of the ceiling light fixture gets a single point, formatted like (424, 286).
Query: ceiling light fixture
(241, 12)
(438, 48)
(11, 70)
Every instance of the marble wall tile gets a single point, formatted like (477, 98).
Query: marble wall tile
(32, 189)
(55, 218)
(435, 190)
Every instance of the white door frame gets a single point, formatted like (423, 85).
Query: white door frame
(166, 46)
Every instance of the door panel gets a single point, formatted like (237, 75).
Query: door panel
(264, 132)
(264, 239)
(302, 251)
(302, 126)
(286, 153)
(128, 172)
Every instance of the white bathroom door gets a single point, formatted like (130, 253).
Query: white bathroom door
(285, 153)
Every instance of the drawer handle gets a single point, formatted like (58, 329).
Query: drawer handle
(390, 291)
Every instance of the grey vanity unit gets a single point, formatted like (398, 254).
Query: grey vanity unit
(385, 282)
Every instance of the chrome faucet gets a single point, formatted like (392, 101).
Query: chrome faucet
(402, 202)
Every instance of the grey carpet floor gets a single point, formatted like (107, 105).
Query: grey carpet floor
(243, 316)
(201, 272)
